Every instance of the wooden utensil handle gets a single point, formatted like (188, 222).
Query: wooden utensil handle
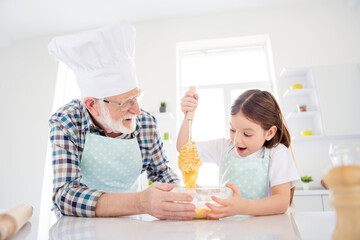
(12, 220)
(190, 115)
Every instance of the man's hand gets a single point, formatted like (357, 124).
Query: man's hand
(159, 202)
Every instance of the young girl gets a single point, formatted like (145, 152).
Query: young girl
(255, 162)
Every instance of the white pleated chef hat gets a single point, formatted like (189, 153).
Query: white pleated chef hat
(102, 59)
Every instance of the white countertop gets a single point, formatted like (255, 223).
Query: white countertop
(299, 225)
(316, 191)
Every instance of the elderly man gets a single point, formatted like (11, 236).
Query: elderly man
(103, 143)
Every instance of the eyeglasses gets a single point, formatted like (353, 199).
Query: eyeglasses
(126, 104)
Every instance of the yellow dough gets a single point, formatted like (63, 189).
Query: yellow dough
(200, 213)
(189, 163)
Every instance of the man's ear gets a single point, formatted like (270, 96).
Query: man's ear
(92, 105)
(271, 133)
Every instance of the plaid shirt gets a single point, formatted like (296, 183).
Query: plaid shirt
(67, 135)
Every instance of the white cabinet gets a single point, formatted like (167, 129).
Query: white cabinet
(326, 203)
(297, 121)
(307, 204)
(311, 201)
(338, 89)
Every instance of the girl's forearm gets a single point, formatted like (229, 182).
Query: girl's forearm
(276, 204)
(183, 134)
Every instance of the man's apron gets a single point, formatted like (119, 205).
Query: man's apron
(111, 164)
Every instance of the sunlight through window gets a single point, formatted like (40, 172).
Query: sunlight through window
(221, 70)
(66, 90)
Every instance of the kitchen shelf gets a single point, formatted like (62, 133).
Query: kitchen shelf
(307, 138)
(164, 116)
(301, 121)
(311, 191)
(298, 115)
(165, 122)
(294, 72)
(298, 92)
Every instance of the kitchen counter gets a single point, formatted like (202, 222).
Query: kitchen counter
(313, 191)
(299, 225)
(314, 199)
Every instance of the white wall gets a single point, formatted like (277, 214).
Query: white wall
(301, 36)
(27, 81)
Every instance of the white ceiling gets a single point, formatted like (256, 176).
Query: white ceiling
(22, 19)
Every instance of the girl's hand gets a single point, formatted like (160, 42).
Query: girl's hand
(189, 102)
(228, 207)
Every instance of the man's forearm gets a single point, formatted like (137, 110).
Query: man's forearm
(118, 204)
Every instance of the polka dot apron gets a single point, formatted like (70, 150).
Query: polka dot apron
(249, 174)
(111, 164)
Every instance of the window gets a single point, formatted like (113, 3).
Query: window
(221, 70)
(66, 89)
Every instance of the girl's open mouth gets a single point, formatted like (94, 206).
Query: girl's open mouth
(241, 150)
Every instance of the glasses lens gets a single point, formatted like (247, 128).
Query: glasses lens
(127, 105)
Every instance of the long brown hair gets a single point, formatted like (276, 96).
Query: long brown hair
(262, 108)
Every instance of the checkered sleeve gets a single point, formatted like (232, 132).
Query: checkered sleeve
(69, 195)
(159, 169)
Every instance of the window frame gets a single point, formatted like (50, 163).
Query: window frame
(226, 44)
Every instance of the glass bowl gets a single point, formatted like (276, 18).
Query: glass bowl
(202, 195)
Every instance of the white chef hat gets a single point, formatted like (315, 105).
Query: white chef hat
(102, 59)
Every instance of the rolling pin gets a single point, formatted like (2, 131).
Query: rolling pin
(14, 219)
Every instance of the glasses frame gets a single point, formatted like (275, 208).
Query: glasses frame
(130, 100)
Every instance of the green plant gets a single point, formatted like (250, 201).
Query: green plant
(163, 104)
(306, 179)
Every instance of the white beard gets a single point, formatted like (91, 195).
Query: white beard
(117, 126)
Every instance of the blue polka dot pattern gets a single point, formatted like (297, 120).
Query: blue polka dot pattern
(249, 174)
(110, 164)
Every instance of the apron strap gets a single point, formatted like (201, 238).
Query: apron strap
(267, 153)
